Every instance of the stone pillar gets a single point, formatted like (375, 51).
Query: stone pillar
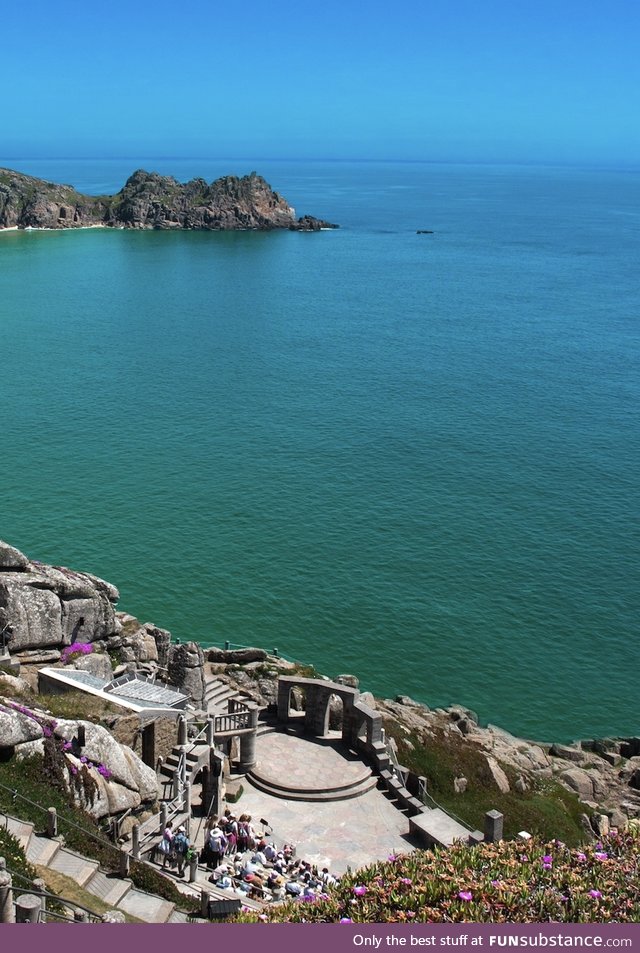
(164, 817)
(284, 687)
(40, 885)
(182, 730)
(28, 908)
(177, 780)
(493, 826)
(82, 738)
(248, 744)
(124, 863)
(7, 912)
(52, 822)
(193, 868)
(210, 732)
(135, 842)
(204, 904)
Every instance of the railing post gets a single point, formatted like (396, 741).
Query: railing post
(177, 777)
(52, 822)
(124, 862)
(28, 908)
(40, 885)
(204, 904)
(164, 817)
(210, 732)
(193, 868)
(182, 730)
(186, 800)
(7, 912)
(135, 842)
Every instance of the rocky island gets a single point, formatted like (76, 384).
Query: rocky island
(150, 200)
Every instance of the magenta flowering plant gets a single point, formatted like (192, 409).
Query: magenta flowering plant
(74, 651)
(486, 883)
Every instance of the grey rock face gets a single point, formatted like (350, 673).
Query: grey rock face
(185, 668)
(236, 656)
(53, 606)
(16, 729)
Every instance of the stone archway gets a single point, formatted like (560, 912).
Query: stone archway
(334, 716)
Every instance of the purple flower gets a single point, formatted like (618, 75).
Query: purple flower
(581, 857)
(67, 746)
(495, 883)
(346, 920)
(595, 894)
(392, 857)
(407, 881)
(84, 759)
(360, 890)
(465, 895)
(547, 859)
(600, 855)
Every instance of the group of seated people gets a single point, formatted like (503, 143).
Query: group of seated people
(255, 866)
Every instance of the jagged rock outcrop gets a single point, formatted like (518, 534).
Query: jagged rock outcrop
(150, 200)
(185, 670)
(52, 606)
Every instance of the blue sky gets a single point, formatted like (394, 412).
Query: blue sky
(469, 80)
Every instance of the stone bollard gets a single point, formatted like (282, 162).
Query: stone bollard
(40, 885)
(52, 822)
(204, 904)
(7, 912)
(124, 863)
(164, 816)
(193, 869)
(28, 908)
(135, 842)
(493, 826)
(182, 730)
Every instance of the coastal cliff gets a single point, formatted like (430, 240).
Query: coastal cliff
(149, 200)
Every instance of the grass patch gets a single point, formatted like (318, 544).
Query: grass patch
(78, 706)
(71, 892)
(546, 809)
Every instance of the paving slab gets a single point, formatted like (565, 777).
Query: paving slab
(21, 830)
(40, 850)
(73, 865)
(146, 907)
(108, 888)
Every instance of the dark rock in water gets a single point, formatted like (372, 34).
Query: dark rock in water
(424, 231)
(307, 223)
(150, 200)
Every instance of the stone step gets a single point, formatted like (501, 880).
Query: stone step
(178, 917)
(40, 850)
(21, 830)
(107, 887)
(345, 793)
(146, 906)
(73, 865)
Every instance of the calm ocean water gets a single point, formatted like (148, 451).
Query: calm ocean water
(412, 457)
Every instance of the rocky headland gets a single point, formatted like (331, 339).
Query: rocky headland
(149, 200)
(45, 609)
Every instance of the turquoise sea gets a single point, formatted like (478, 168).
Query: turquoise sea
(412, 457)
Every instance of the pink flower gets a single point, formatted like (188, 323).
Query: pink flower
(465, 895)
(547, 859)
(595, 894)
(360, 890)
(581, 857)
(346, 920)
(600, 855)
(406, 881)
